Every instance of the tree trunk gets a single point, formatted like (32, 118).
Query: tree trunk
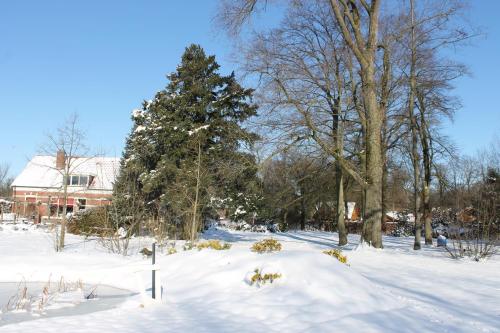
(425, 139)
(384, 190)
(302, 214)
(195, 204)
(338, 136)
(427, 213)
(341, 208)
(372, 233)
(416, 196)
(365, 234)
(415, 159)
(62, 234)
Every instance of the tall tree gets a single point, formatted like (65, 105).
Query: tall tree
(414, 143)
(431, 28)
(196, 121)
(357, 23)
(305, 86)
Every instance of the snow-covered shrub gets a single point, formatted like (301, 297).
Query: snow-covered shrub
(171, 250)
(92, 222)
(260, 279)
(283, 226)
(405, 224)
(213, 244)
(188, 246)
(336, 254)
(239, 226)
(259, 228)
(266, 245)
(273, 227)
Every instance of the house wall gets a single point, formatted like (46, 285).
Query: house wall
(32, 202)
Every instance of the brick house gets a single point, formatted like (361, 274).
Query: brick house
(38, 190)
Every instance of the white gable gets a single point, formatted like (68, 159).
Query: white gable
(41, 172)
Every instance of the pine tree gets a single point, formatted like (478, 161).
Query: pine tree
(187, 145)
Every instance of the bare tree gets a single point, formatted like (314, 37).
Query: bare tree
(357, 23)
(414, 154)
(304, 89)
(433, 27)
(5, 180)
(397, 75)
(67, 144)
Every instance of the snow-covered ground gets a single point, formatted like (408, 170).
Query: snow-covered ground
(390, 290)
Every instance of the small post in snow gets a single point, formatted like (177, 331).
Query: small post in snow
(153, 284)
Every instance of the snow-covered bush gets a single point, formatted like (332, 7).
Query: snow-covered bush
(259, 278)
(405, 224)
(213, 244)
(92, 222)
(336, 254)
(188, 246)
(266, 245)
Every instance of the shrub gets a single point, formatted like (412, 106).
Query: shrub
(213, 244)
(92, 222)
(188, 246)
(266, 245)
(258, 279)
(146, 252)
(171, 250)
(337, 254)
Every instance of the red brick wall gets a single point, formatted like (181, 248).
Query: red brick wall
(30, 203)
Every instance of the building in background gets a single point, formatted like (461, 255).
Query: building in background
(38, 190)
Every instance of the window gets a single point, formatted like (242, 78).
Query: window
(81, 203)
(78, 180)
(75, 180)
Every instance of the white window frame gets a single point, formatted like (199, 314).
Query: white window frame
(69, 180)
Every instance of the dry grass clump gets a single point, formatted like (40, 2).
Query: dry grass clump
(213, 244)
(258, 279)
(171, 250)
(337, 254)
(266, 245)
(23, 300)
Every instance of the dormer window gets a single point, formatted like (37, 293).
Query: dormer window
(78, 180)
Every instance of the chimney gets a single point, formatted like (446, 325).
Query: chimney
(60, 159)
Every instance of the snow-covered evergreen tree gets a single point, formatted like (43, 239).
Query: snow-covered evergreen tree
(188, 143)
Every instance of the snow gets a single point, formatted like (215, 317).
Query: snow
(196, 130)
(137, 113)
(139, 129)
(391, 290)
(240, 211)
(7, 217)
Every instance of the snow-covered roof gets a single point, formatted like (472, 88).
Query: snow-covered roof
(41, 172)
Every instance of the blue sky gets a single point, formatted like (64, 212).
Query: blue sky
(100, 59)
